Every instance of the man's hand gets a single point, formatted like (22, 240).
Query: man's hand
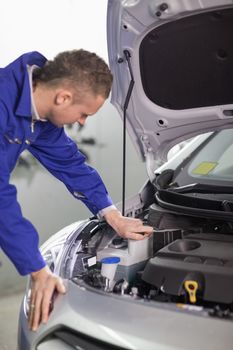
(127, 227)
(43, 285)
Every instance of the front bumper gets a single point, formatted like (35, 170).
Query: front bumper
(127, 323)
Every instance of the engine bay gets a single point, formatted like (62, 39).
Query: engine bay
(186, 263)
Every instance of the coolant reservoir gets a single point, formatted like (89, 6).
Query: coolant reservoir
(132, 257)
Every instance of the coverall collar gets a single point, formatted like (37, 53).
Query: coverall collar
(20, 72)
(23, 108)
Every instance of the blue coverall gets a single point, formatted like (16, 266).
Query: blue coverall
(52, 147)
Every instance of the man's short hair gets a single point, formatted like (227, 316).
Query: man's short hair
(80, 69)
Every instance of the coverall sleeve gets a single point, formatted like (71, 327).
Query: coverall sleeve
(18, 237)
(61, 156)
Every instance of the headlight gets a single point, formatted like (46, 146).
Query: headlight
(52, 248)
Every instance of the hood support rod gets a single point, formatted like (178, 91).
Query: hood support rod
(126, 103)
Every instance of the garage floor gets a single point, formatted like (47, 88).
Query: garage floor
(9, 311)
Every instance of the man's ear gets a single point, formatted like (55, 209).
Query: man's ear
(63, 98)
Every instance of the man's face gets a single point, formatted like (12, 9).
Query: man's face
(70, 113)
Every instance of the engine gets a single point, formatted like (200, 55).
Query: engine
(187, 262)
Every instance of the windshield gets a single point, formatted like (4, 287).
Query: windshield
(211, 163)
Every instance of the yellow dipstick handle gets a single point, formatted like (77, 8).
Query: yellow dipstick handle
(191, 287)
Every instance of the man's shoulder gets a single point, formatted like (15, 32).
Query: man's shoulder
(17, 69)
(14, 82)
(28, 58)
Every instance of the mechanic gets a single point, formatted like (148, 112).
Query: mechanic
(37, 98)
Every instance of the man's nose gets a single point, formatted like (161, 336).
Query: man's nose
(81, 122)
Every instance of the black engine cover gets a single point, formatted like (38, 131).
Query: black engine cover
(206, 259)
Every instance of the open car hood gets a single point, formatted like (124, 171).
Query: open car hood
(179, 54)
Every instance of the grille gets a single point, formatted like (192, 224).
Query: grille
(66, 339)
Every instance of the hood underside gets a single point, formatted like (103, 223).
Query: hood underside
(177, 57)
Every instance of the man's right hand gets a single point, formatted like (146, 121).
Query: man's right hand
(127, 227)
(44, 284)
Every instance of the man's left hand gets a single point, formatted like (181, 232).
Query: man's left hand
(44, 283)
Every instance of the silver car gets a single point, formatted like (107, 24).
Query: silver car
(173, 82)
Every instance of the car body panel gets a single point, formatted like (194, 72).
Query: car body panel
(155, 128)
(104, 317)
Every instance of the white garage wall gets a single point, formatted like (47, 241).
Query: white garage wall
(51, 26)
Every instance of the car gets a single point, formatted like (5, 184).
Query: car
(173, 73)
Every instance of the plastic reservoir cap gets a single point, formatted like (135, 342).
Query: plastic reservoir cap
(111, 260)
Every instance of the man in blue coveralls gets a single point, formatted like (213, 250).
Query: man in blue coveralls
(37, 98)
